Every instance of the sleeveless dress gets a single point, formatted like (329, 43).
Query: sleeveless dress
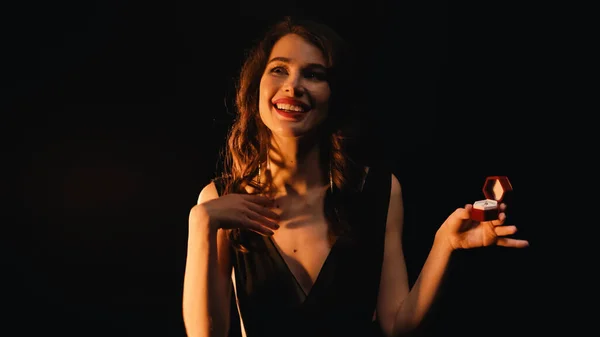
(343, 298)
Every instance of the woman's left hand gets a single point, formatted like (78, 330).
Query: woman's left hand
(462, 232)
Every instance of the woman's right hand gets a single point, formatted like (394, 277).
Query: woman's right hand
(252, 212)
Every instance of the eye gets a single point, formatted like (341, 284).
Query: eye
(315, 75)
(278, 70)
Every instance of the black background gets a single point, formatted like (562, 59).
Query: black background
(119, 110)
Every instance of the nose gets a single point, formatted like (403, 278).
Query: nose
(293, 86)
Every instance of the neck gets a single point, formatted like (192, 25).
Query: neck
(294, 163)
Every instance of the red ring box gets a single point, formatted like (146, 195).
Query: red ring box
(495, 189)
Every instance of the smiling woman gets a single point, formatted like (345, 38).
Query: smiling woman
(294, 91)
(307, 240)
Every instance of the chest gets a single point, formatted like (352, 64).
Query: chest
(303, 241)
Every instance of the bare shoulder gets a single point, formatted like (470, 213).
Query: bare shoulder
(395, 218)
(396, 189)
(208, 192)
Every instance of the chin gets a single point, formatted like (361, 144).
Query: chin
(289, 133)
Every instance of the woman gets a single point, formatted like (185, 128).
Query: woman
(309, 241)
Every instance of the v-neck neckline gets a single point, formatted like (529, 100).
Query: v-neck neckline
(291, 274)
(325, 264)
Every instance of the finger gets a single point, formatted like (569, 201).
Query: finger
(500, 221)
(263, 210)
(261, 231)
(502, 207)
(464, 213)
(512, 243)
(265, 222)
(259, 199)
(257, 227)
(505, 230)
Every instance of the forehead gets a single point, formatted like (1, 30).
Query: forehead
(297, 50)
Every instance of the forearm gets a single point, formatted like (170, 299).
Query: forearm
(422, 295)
(204, 310)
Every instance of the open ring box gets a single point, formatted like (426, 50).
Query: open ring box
(496, 190)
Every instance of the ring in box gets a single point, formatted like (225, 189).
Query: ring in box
(496, 189)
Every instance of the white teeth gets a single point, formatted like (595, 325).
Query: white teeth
(289, 107)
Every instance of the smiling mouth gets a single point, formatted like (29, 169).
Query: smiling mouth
(290, 111)
(290, 108)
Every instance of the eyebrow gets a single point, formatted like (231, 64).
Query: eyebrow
(287, 60)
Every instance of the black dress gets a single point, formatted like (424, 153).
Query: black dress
(344, 296)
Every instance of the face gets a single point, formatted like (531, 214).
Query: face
(294, 92)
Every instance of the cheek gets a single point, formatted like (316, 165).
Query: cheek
(321, 92)
(322, 97)
(264, 104)
(322, 101)
(266, 90)
(263, 96)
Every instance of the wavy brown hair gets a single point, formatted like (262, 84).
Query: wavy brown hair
(248, 138)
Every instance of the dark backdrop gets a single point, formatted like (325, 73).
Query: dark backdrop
(119, 110)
